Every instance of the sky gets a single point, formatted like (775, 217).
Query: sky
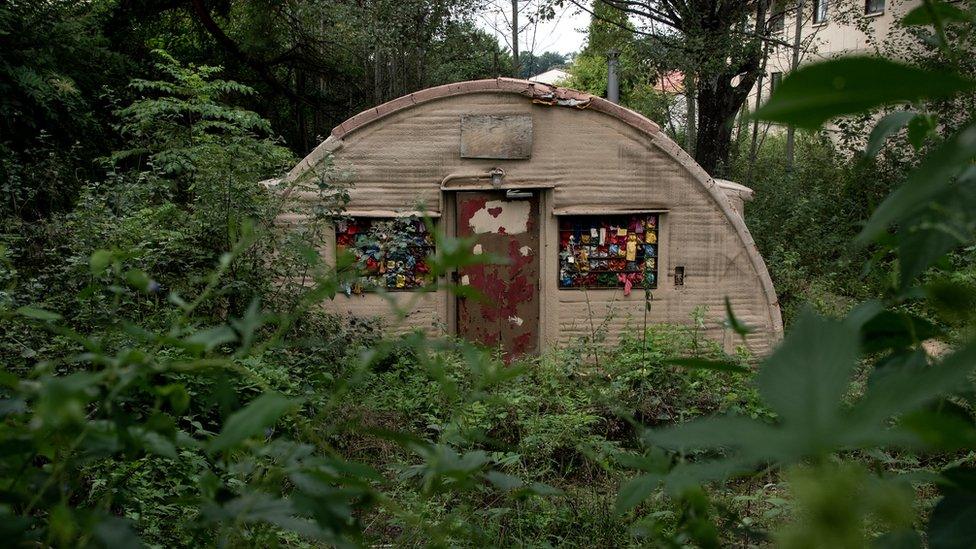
(564, 34)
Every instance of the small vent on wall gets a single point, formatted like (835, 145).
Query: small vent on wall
(679, 276)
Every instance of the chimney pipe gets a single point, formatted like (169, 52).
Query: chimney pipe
(613, 79)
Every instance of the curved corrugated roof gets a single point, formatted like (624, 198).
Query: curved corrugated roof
(537, 91)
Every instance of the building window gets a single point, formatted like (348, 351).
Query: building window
(874, 7)
(777, 17)
(820, 11)
(774, 81)
(608, 251)
(390, 253)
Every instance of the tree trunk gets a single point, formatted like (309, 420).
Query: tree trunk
(716, 114)
(301, 82)
(691, 124)
(377, 75)
(515, 39)
(797, 38)
(754, 144)
(718, 103)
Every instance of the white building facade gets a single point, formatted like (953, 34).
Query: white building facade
(829, 28)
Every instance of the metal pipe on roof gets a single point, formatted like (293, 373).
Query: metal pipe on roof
(613, 78)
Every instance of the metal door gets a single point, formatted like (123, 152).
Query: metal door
(507, 316)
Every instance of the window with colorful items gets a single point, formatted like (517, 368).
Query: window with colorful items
(608, 251)
(390, 253)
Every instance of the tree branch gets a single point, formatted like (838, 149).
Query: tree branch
(259, 66)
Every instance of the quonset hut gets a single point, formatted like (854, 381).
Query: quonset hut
(590, 202)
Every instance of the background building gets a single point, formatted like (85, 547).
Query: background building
(829, 28)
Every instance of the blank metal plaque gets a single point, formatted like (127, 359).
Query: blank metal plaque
(506, 137)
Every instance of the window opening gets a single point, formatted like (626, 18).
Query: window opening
(389, 253)
(608, 251)
(774, 81)
(777, 22)
(820, 11)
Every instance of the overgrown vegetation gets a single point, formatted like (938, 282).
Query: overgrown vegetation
(165, 383)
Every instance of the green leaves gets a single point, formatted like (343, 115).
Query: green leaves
(636, 490)
(906, 387)
(38, 314)
(920, 129)
(931, 178)
(705, 364)
(896, 330)
(116, 532)
(930, 13)
(206, 340)
(933, 208)
(731, 321)
(503, 481)
(952, 524)
(887, 126)
(816, 93)
(253, 419)
(100, 261)
(804, 380)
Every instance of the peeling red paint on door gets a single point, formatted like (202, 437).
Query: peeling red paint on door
(508, 316)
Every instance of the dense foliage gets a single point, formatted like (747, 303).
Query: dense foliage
(167, 380)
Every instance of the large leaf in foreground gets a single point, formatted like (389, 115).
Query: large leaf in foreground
(897, 390)
(927, 182)
(818, 92)
(931, 12)
(890, 124)
(251, 420)
(805, 382)
(805, 379)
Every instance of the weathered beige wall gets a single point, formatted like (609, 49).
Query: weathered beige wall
(590, 160)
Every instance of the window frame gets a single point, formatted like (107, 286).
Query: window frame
(821, 12)
(777, 20)
(775, 80)
(867, 6)
(368, 282)
(608, 220)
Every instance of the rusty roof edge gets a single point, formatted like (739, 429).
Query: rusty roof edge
(538, 92)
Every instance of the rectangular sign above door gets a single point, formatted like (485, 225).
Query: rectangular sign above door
(496, 136)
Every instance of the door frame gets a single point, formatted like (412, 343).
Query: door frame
(546, 226)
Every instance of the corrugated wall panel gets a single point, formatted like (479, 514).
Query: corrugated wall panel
(426, 313)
